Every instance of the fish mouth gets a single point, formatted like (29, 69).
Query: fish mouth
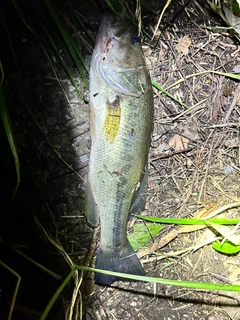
(115, 28)
(121, 29)
(113, 62)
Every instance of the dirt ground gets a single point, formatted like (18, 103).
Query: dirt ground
(193, 170)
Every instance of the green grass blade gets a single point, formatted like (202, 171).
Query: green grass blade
(142, 234)
(79, 18)
(190, 221)
(156, 85)
(114, 6)
(56, 295)
(68, 42)
(48, 25)
(226, 248)
(9, 132)
(63, 64)
(167, 282)
(17, 286)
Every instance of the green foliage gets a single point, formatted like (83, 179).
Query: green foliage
(51, 31)
(226, 247)
(56, 37)
(166, 282)
(156, 85)
(114, 5)
(143, 234)
(68, 43)
(190, 221)
(229, 11)
(236, 8)
(4, 115)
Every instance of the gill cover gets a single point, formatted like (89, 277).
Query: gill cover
(118, 57)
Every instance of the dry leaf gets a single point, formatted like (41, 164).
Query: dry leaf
(205, 238)
(226, 232)
(236, 69)
(234, 275)
(189, 163)
(228, 90)
(199, 215)
(184, 44)
(232, 265)
(159, 243)
(232, 143)
(179, 143)
(206, 211)
(233, 21)
(189, 129)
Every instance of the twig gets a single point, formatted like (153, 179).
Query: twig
(233, 104)
(222, 209)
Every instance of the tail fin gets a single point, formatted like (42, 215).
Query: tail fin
(125, 261)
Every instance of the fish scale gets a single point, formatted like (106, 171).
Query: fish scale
(121, 122)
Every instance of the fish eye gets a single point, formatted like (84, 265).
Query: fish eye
(135, 40)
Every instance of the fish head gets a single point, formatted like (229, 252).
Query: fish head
(118, 59)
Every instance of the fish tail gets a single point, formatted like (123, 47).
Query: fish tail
(125, 262)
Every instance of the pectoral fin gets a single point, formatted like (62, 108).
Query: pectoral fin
(91, 210)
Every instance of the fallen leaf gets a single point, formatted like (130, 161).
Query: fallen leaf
(206, 211)
(226, 232)
(232, 143)
(184, 44)
(172, 234)
(143, 234)
(178, 142)
(228, 90)
(234, 276)
(236, 69)
(189, 163)
(189, 129)
(227, 247)
(234, 21)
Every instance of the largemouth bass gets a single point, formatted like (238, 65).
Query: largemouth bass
(121, 124)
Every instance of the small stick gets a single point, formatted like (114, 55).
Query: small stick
(233, 104)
